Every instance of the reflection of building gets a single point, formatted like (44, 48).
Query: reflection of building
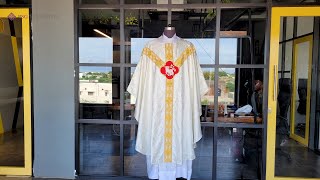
(94, 92)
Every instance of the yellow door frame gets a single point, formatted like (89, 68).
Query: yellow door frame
(305, 140)
(277, 13)
(23, 13)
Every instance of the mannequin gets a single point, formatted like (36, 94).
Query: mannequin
(169, 31)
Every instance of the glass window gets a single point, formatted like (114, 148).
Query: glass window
(305, 25)
(100, 87)
(99, 149)
(239, 153)
(238, 88)
(238, 45)
(142, 26)
(99, 36)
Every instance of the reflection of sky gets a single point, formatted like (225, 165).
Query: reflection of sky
(100, 50)
(83, 69)
(95, 50)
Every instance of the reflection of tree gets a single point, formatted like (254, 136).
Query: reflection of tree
(208, 75)
(230, 86)
(222, 74)
(100, 77)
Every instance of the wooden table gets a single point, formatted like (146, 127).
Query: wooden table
(242, 119)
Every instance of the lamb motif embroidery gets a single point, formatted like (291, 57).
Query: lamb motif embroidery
(169, 70)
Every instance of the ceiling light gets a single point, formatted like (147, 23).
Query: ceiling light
(103, 34)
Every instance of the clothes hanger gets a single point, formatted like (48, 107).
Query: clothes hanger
(169, 31)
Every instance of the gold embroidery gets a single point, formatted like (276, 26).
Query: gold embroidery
(151, 55)
(183, 57)
(169, 51)
(168, 121)
(169, 92)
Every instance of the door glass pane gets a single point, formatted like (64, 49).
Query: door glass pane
(11, 93)
(293, 155)
(301, 88)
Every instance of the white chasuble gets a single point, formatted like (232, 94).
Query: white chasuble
(168, 84)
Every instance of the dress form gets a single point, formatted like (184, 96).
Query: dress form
(169, 31)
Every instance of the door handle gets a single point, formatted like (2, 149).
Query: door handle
(275, 82)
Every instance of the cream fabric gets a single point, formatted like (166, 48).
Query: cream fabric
(148, 86)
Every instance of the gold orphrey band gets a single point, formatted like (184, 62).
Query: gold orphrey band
(169, 91)
(169, 109)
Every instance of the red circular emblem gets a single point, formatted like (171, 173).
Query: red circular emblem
(169, 70)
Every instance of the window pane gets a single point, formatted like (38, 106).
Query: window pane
(194, 26)
(239, 153)
(238, 88)
(134, 162)
(99, 40)
(305, 25)
(99, 149)
(142, 26)
(99, 89)
(237, 45)
(202, 165)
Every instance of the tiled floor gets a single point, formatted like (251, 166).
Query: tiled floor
(12, 149)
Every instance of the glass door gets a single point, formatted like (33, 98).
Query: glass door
(301, 85)
(15, 93)
(291, 43)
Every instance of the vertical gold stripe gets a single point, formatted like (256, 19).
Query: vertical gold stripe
(16, 60)
(168, 121)
(169, 52)
(169, 109)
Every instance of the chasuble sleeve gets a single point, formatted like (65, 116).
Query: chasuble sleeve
(136, 85)
(201, 88)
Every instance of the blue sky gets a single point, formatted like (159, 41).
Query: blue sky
(100, 50)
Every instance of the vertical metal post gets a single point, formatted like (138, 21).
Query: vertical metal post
(216, 86)
(170, 13)
(76, 79)
(314, 116)
(122, 61)
(283, 46)
(266, 86)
